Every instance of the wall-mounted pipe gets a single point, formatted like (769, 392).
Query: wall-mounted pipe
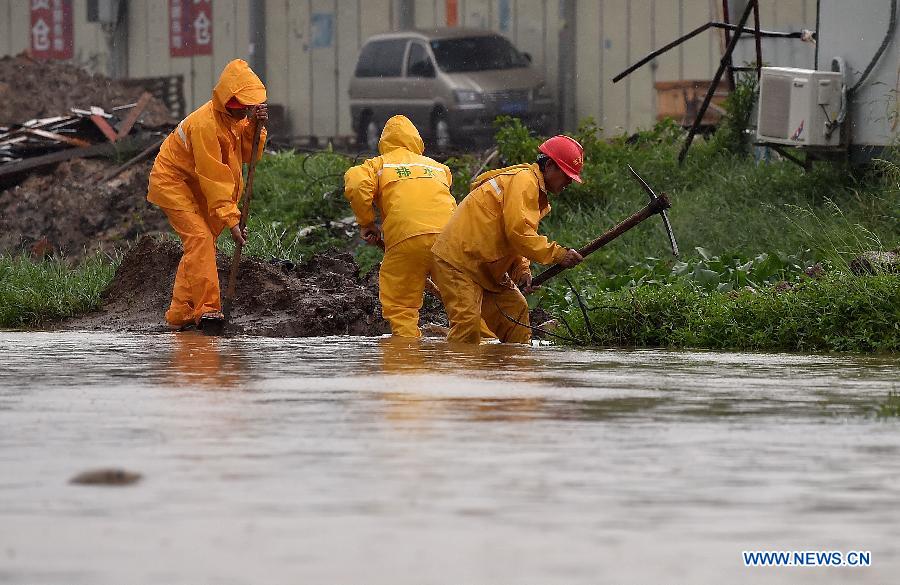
(697, 31)
(256, 52)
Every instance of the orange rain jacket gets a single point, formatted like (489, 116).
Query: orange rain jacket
(493, 236)
(198, 168)
(408, 207)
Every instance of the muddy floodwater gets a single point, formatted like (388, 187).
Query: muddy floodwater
(360, 460)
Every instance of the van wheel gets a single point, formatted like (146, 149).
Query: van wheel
(440, 132)
(371, 135)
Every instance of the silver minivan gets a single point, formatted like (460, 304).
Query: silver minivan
(452, 83)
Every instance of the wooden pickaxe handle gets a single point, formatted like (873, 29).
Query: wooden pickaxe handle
(245, 211)
(658, 205)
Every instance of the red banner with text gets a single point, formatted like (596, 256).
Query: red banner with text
(51, 29)
(190, 28)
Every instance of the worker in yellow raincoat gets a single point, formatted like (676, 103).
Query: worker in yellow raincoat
(488, 245)
(197, 181)
(412, 195)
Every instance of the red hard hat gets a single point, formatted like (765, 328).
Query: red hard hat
(566, 153)
(234, 104)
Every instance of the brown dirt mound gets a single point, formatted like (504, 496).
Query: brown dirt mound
(69, 213)
(38, 89)
(323, 296)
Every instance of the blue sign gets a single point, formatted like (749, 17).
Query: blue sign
(322, 30)
(505, 15)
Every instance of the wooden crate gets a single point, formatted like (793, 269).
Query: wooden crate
(681, 100)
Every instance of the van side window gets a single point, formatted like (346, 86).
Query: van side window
(381, 59)
(418, 64)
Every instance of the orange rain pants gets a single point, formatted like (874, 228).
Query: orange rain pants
(468, 303)
(196, 289)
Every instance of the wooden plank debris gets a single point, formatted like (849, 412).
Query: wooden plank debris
(154, 146)
(134, 114)
(44, 141)
(58, 137)
(99, 120)
(106, 148)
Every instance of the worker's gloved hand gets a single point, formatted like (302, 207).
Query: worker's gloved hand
(572, 258)
(238, 236)
(261, 113)
(525, 284)
(371, 234)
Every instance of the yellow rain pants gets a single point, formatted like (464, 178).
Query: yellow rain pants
(196, 289)
(401, 283)
(468, 303)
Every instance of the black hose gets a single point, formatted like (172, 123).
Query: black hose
(888, 37)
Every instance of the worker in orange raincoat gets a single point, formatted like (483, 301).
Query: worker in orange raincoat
(487, 247)
(412, 195)
(197, 182)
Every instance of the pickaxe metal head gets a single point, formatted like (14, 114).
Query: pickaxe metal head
(664, 204)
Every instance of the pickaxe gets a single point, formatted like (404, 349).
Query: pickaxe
(658, 204)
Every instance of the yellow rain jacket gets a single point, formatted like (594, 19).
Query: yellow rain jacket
(493, 236)
(412, 194)
(198, 168)
(411, 191)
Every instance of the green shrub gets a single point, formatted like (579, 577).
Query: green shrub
(837, 312)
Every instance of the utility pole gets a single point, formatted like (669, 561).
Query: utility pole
(407, 14)
(566, 69)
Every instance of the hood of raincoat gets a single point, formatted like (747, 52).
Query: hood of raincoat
(238, 81)
(488, 175)
(399, 132)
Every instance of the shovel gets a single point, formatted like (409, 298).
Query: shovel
(238, 247)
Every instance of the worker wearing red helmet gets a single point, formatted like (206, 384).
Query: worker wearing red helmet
(487, 247)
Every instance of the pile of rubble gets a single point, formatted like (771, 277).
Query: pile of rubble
(52, 112)
(71, 212)
(30, 88)
(75, 153)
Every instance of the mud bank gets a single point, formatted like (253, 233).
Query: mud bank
(323, 296)
(67, 212)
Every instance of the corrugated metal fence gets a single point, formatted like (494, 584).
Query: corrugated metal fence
(311, 47)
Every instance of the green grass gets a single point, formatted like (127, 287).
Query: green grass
(726, 203)
(299, 209)
(33, 292)
(837, 312)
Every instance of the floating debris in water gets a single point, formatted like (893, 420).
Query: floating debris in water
(106, 477)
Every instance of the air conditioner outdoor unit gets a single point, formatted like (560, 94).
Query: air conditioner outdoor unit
(799, 107)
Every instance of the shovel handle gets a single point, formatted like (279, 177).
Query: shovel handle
(245, 211)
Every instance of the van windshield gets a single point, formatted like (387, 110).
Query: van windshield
(476, 54)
